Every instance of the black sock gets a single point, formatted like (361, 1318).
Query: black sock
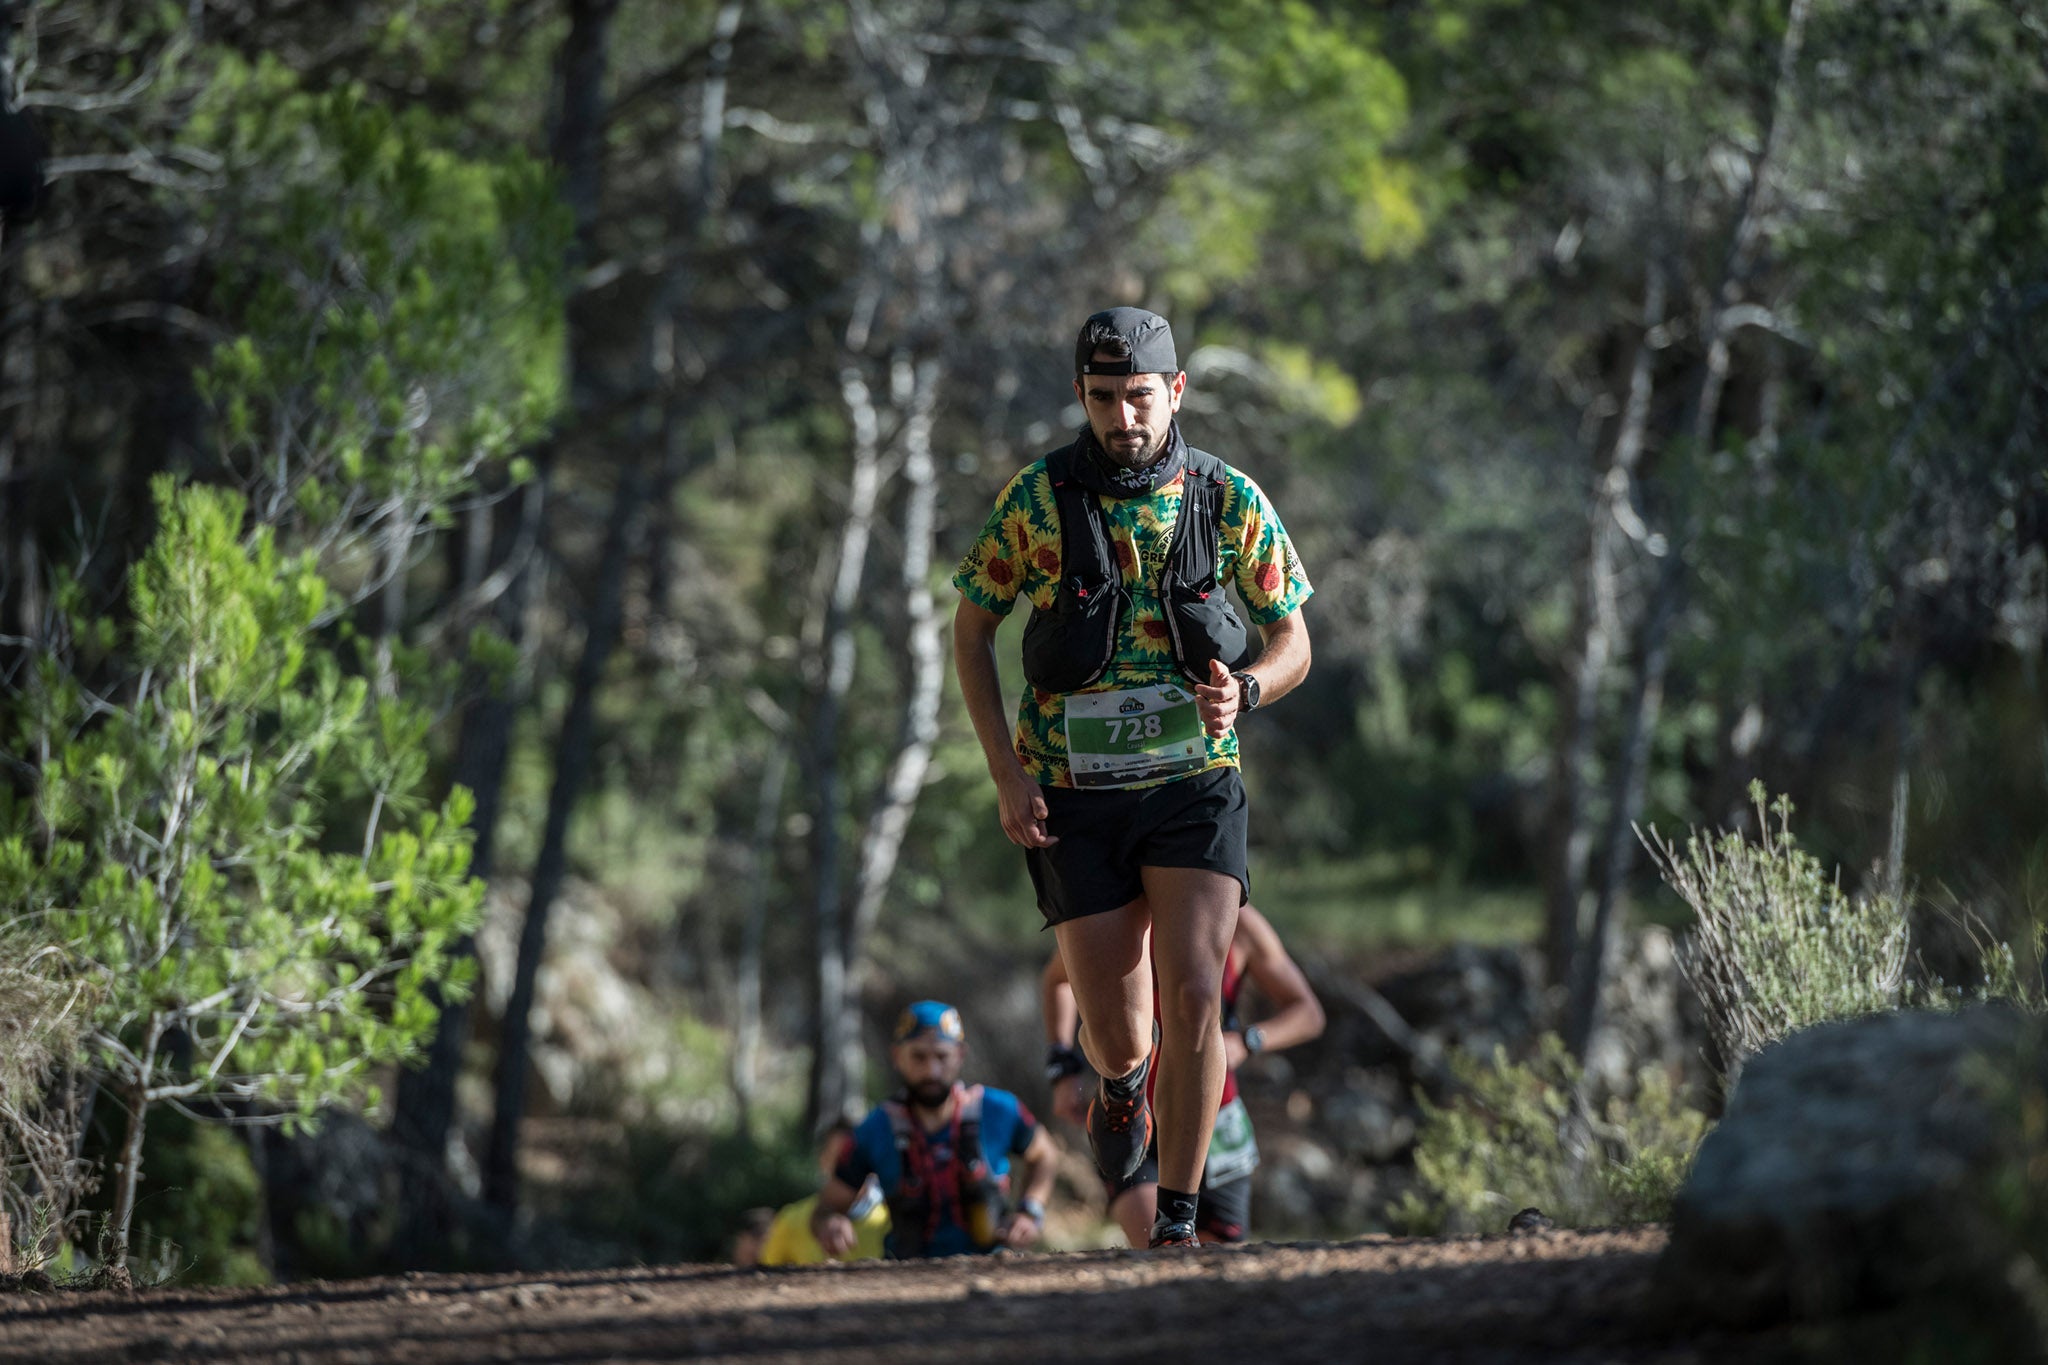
(1175, 1206)
(1123, 1087)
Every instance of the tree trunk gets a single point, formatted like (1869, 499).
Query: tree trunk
(424, 1106)
(1902, 762)
(916, 389)
(128, 1170)
(1632, 774)
(1593, 629)
(425, 1101)
(830, 1094)
(572, 762)
(746, 1033)
(1704, 409)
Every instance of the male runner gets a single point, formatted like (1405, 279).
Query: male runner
(1296, 1016)
(941, 1152)
(1121, 782)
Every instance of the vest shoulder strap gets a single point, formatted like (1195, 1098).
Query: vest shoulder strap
(1084, 553)
(1207, 467)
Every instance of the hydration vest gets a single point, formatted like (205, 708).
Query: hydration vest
(1069, 646)
(926, 1190)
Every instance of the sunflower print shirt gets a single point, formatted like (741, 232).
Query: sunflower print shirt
(1017, 555)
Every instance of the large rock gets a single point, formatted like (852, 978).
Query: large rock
(1856, 1168)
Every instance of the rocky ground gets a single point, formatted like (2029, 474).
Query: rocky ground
(1555, 1296)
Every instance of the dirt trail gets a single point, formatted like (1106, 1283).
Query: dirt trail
(1550, 1297)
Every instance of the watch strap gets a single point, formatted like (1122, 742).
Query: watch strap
(1247, 691)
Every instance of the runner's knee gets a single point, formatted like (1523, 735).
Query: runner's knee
(1191, 1009)
(1112, 1054)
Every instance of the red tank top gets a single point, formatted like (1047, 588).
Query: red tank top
(1233, 982)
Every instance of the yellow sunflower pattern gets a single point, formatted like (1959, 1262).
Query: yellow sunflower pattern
(1017, 555)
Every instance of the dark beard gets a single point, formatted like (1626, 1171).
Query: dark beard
(1100, 472)
(1140, 458)
(929, 1094)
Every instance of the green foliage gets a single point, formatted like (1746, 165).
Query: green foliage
(229, 845)
(1287, 114)
(1519, 1134)
(201, 1202)
(1778, 944)
(398, 307)
(680, 1198)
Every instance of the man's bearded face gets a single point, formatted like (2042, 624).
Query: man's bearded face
(928, 1068)
(1131, 414)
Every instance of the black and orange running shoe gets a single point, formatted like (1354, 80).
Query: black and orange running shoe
(1120, 1128)
(1165, 1234)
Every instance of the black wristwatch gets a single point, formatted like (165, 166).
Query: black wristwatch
(1254, 1041)
(1247, 692)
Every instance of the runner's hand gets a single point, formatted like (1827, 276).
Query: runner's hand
(1070, 1099)
(1019, 1231)
(834, 1233)
(1024, 810)
(1216, 700)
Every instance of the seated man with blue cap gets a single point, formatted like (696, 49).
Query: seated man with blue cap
(942, 1153)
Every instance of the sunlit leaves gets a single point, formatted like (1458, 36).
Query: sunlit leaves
(235, 843)
(398, 304)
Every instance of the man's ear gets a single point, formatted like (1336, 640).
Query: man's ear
(1178, 386)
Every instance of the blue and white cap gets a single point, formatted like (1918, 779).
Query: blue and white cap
(930, 1016)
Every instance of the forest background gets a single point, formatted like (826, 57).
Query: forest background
(606, 388)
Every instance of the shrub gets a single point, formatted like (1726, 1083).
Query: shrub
(1520, 1133)
(232, 847)
(1779, 945)
(42, 1176)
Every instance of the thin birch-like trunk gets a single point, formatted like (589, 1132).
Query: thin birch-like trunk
(1593, 628)
(829, 1093)
(916, 389)
(128, 1170)
(1654, 647)
(746, 1033)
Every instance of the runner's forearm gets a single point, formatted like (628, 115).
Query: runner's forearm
(1040, 1160)
(981, 687)
(1297, 1015)
(1284, 662)
(1297, 1023)
(835, 1197)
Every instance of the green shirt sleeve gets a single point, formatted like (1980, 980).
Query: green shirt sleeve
(1268, 572)
(992, 572)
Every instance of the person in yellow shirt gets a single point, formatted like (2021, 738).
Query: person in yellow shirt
(789, 1240)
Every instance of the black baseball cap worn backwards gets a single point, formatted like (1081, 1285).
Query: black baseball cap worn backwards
(1148, 336)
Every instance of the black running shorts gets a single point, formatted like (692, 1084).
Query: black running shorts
(1223, 1213)
(1105, 836)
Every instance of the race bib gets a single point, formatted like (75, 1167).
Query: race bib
(1233, 1150)
(1138, 734)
